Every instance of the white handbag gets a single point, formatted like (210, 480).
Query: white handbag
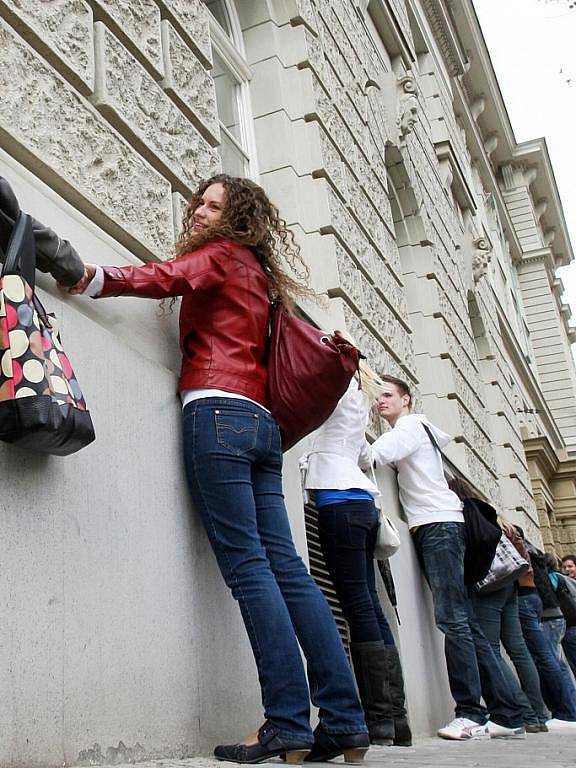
(387, 538)
(507, 566)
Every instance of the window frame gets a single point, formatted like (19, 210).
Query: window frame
(232, 53)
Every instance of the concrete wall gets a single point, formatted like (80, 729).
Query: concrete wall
(116, 625)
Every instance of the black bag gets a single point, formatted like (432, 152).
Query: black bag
(482, 536)
(41, 404)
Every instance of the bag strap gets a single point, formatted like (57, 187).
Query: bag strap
(433, 440)
(20, 257)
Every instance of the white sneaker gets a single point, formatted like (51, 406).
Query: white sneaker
(501, 732)
(462, 729)
(560, 725)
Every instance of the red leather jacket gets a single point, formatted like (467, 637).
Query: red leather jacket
(223, 317)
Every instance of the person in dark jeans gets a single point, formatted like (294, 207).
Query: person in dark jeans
(231, 257)
(558, 627)
(347, 526)
(557, 688)
(436, 522)
(497, 614)
(569, 641)
(473, 669)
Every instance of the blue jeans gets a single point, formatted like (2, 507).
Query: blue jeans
(569, 646)
(497, 614)
(234, 468)
(347, 533)
(473, 670)
(557, 688)
(556, 629)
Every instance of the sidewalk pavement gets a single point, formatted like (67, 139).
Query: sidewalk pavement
(552, 750)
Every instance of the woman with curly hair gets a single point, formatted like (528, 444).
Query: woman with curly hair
(229, 263)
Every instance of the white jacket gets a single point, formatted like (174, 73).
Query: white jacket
(339, 449)
(423, 490)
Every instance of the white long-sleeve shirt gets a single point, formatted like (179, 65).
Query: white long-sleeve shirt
(423, 490)
(339, 450)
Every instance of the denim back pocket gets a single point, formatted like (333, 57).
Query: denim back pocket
(236, 431)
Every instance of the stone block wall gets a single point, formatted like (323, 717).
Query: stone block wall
(111, 103)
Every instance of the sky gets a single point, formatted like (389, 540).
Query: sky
(532, 44)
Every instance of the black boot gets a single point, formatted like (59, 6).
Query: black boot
(402, 732)
(371, 670)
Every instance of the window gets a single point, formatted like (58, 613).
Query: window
(231, 74)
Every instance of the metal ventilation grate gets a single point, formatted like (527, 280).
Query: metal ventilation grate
(320, 572)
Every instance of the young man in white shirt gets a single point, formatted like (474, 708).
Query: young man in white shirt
(434, 516)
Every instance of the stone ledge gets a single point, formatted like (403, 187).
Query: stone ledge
(54, 131)
(140, 24)
(192, 20)
(61, 31)
(136, 104)
(187, 80)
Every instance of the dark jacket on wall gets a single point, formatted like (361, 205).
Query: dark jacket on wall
(550, 604)
(52, 254)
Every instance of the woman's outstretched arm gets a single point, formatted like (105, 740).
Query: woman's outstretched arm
(198, 270)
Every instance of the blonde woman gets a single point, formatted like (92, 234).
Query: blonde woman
(347, 527)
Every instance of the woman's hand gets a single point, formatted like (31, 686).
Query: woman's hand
(85, 280)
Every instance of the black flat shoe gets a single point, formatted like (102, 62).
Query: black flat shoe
(269, 745)
(329, 745)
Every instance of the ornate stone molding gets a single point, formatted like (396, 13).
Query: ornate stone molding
(508, 181)
(407, 115)
(400, 98)
(490, 143)
(478, 106)
(481, 257)
(439, 18)
(530, 174)
(540, 208)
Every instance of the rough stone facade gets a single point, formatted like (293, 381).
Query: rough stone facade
(380, 133)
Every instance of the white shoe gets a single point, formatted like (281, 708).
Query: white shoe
(462, 729)
(501, 732)
(560, 725)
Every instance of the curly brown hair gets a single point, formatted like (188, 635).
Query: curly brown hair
(251, 219)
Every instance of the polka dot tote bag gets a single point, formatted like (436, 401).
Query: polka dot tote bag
(41, 404)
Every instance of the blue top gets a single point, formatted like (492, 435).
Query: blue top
(325, 496)
(554, 579)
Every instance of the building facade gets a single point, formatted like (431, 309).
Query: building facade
(378, 128)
